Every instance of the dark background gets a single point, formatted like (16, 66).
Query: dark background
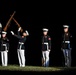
(33, 17)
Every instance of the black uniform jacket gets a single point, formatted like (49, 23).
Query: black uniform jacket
(21, 40)
(66, 37)
(46, 39)
(4, 44)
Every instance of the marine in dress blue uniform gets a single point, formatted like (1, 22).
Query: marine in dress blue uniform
(21, 47)
(4, 49)
(46, 47)
(66, 46)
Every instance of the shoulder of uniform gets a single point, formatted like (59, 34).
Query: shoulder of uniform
(49, 38)
(7, 39)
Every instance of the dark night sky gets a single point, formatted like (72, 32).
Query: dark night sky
(34, 17)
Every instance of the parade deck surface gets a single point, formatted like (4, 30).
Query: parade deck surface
(15, 69)
(35, 68)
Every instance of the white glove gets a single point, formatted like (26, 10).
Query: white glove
(49, 50)
(19, 29)
(27, 32)
(12, 32)
(6, 50)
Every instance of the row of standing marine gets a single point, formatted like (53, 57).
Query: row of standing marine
(46, 46)
(65, 47)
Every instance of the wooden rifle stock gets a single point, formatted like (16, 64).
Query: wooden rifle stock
(17, 24)
(7, 24)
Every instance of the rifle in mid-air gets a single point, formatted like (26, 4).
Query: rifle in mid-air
(8, 23)
(17, 24)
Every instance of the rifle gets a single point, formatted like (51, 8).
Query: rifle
(17, 24)
(7, 24)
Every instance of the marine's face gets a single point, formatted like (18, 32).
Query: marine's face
(24, 34)
(45, 33)
(65, 29)
(3, 35)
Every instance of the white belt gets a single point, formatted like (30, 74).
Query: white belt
(66, 41)
(47, 45)
(5, 46)
(20, 47)
(21, 43)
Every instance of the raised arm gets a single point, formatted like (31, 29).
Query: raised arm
(19, 31)
(18, 36)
